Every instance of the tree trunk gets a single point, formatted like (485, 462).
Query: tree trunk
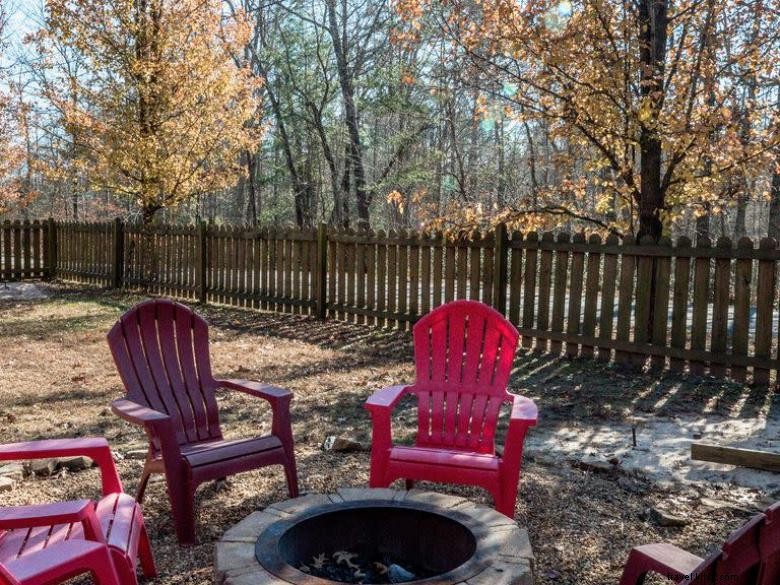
(653, 23)
(774, 201)
(350, 115)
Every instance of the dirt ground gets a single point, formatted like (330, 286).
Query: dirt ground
(57, 380)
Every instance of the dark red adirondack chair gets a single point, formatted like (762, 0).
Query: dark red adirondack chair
(60, 562)
(750, 556)
(463, 352)
(40, 543)
(161, 350)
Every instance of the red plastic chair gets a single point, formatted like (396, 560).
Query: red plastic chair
(32, 538)
(161, 350)
(60, 562)
(464, 352)
(750, 556)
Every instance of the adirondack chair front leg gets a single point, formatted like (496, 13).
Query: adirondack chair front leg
(281, 427)
(96, 448)
(380, 406)
(523, 416)
(62, 561)
(181, 491)
(81, 511)
(665, 559)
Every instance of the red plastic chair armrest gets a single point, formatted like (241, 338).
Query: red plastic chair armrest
(386, 398)
(83, 511)
(524, 410)
(137, 413)
(96, 448)
(662, 558)
(157, 425)
(272, 394)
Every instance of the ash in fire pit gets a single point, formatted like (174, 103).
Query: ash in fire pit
(347, 567)
(379, 544)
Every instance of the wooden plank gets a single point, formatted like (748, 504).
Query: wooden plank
(360, 279)
(392, 266)
(475, 273)
(425, 277)
(461, 274)
(720, 306)
(701, 286)
(438, 267)
(26, 249)
(371, 280)
(381, 280)
(287, 270)
(449, 271)
(500, 267)
(414, 282)
(743, 274)
(591, 294)
(573, 324)
(17, 227)
(349, 269)
(753, 459)
(765, 295)
(545, 286)
(559, 292)
(488, 274)
(682, 276)
(296, 262)
(36, 249)
(403, 276)
(643, 301)
(625, 296)
(660, 314)
(516, 282)
(529, 288)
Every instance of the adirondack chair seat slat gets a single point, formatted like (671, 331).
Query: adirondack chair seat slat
(60, 562)
(458, 459)
(161, 351)
(37, 542)
(464, 352)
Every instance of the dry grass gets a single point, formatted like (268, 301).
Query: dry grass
(57, 379)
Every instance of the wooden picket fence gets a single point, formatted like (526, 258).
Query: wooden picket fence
(23, 253)
(708, 308)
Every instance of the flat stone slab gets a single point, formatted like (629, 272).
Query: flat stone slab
(503, 555)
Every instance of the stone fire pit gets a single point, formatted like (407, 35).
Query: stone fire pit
(375, 536)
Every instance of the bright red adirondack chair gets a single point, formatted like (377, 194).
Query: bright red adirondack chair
(37, 542)
(463, 352)
(60, 562)
(750, 556)
(161, 350)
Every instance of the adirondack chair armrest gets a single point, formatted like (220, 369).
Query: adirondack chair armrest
(386, 399)
(273, 394)
(82, 511)
(665, 559)
(96, 448)
(138, 414)
(524, 411)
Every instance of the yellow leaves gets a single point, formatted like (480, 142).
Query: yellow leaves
(166, 111)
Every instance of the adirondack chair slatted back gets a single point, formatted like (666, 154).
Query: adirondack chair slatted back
(738, 561)
(161, 350)
(463, 352)
(769, 545)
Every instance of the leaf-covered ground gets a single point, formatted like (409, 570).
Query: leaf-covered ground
(57, 380)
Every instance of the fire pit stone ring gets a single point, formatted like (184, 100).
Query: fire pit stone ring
(441, 539)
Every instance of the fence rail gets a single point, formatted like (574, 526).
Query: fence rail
(709, 307)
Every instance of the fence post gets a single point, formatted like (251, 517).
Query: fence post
(200, 268)
(322, 270)
(50, 263)
(500, 260)
(118, 267)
